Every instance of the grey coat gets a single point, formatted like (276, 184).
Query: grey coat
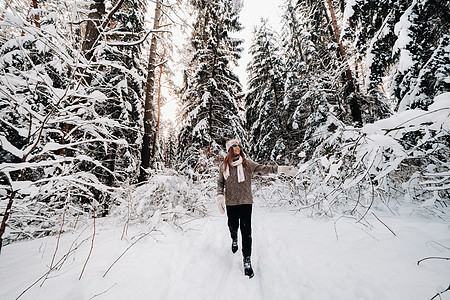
(240, 193)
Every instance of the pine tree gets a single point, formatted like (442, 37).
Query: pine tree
(424, 59)
(403, 42)
(70, 141)
(37, 87)
(119, 76)
(321, 91)
(312, 100)
(264, 100)
(170, 146)
(297, 49)
(150, 126)
(431, 80)
(210, 102)
(371, 33)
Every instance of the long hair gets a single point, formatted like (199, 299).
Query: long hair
(229, 159)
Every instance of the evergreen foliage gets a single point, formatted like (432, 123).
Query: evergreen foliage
(66, 142)
(211, 113)
(423, 66)
(321, 93)
(405, 42)
(72, 84)
(313, 98)
(376, 38)
(170, 146)
(388, 37)
(118, 74)
(264, 100)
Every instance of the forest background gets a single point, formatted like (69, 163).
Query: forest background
(355, 94)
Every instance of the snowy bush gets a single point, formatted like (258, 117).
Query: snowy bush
(66, 144)
(401, 157)
(355, 169)
(168, 197)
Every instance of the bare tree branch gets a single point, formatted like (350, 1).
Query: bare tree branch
(439, 294)
(432, 257)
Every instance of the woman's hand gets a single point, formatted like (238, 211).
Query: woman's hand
(288, 170)
(221, 203)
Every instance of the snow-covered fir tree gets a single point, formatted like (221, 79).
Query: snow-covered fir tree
(295, 65)
(384, 37)
(311, 95)
(210, 104)
(423, 50)
(405, 48)
(165, 90)
(321, 91)
(170, 145)
(264, 100)
(70, 122)
(432, 79)
(118, 73)
(369, 27)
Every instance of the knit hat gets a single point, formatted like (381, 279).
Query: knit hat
(230, 143)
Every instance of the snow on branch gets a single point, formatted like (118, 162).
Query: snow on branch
(134, 43)
(354, 170)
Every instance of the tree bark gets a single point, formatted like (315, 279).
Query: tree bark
(92, 28)
(36, 17)
(5, 218)
(92, 33)
(158, 104)
(95, 24)
(2, 17)
(148, 108)
(8, 210)
(350, 83)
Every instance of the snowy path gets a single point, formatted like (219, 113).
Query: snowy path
(293, 257)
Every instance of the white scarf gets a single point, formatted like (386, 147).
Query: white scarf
(240, 170)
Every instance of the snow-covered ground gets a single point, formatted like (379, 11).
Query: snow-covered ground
(294, 257)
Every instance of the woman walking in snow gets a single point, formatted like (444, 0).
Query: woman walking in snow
(234, 194)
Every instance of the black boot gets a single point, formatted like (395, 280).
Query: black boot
(234, 246)
(248, 271)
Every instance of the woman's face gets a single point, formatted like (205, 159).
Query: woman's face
(236, 149)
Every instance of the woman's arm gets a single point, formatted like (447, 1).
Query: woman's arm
(220, 189)
(261, 169)
(220, 182)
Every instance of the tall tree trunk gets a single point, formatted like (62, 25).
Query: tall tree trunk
(8, 210)
(148, 108)
(36, 17)
(350, 83)
(212, 88)
(97, 9)
(5, 217)
(158, 103)
(92, 33)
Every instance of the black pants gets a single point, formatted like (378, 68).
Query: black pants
(241, 215)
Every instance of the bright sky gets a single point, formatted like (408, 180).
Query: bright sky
(250, 16)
